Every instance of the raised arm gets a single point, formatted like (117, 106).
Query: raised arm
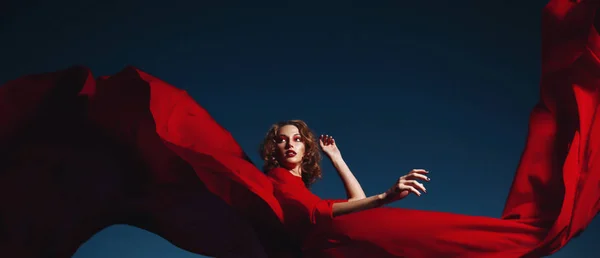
(404, 186)
(353, 189)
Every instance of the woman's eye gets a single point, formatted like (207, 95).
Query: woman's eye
(297, 139)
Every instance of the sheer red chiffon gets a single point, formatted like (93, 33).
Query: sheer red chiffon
(80, 154)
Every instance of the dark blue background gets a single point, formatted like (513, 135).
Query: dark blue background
(442, 85)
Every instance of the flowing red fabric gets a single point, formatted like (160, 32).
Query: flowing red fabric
(80, 154)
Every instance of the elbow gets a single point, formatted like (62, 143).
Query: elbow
(357, 197)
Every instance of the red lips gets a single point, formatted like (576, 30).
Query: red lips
(290, 153)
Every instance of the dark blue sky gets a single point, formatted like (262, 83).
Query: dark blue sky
(442, 85)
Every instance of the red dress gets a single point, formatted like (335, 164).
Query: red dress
(80, 154)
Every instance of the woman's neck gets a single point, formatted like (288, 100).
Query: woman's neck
(297, 171)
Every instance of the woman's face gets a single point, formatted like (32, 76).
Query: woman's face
(290, 147)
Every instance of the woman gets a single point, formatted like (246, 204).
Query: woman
(292, 160)
(291, 147)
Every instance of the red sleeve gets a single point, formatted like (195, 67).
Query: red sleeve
(322, 212)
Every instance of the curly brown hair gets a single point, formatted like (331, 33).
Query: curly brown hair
(311, 167)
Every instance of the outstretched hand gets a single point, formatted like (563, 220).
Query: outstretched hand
(328, 145)
(407, 184)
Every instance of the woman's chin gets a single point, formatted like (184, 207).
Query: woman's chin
(290, 163)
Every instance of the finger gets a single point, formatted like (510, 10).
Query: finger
(416, 184)
(417, 176)
(330, 140)
(419, 171)
(412, 189)
(326, 139)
